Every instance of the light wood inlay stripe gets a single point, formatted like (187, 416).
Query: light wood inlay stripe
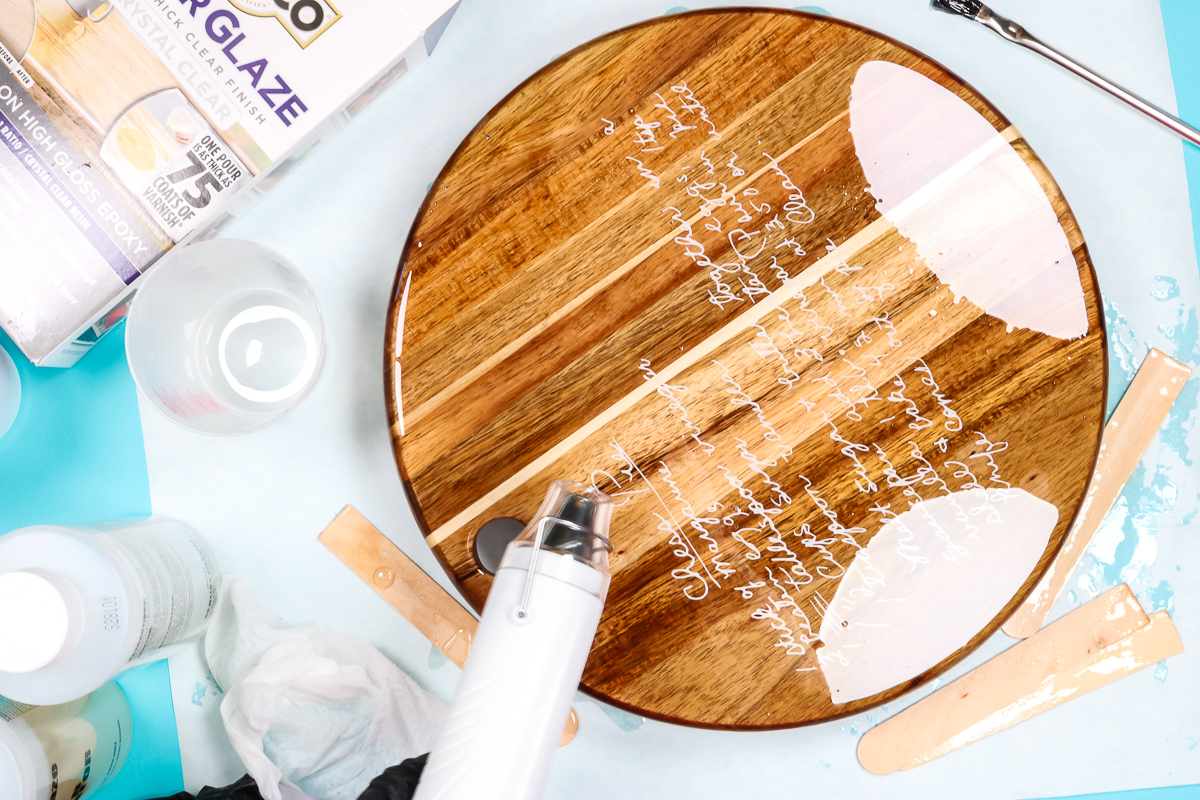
(809, 277)
(468, 377)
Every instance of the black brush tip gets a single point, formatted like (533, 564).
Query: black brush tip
(964, 8)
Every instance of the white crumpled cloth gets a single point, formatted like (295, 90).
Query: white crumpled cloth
(322, 712)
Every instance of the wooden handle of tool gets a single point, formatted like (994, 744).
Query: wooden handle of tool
(1129, 432)
(1093, 645)
(405, 586)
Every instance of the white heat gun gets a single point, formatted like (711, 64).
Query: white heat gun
(528, 654)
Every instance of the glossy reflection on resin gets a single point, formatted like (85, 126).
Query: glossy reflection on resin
(953, 186)
(384, 577)
(809, 310)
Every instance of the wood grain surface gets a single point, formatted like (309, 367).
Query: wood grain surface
(74, 56)
(89, 73)
(772, 282)
(394, 577)
(17, 21)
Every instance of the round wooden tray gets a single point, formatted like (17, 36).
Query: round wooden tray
(806, 306)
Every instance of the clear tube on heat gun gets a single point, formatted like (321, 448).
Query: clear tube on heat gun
(528, 654)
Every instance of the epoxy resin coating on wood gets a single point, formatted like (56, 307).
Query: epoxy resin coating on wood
(813, 314)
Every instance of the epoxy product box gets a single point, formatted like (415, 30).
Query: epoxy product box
(128, 127)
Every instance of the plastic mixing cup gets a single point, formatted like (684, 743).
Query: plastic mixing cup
(225, 337)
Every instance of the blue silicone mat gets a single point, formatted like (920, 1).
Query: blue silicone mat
(75, 455)
(153, 767)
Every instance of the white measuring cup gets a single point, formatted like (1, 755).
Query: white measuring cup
(225, 337)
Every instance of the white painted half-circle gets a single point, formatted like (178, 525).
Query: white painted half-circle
(953, 186)
(932, 578)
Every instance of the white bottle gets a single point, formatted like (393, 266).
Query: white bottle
(527, 656)
(76, 607)
(63, 751)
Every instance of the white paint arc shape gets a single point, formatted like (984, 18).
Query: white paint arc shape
(975, 212)
(931, 579)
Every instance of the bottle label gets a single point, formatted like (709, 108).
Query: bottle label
(11, 709)
(177, 578)
(86, 742)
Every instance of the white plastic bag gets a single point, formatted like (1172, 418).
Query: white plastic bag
(323, 712)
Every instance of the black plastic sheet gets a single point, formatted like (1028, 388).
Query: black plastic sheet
(396, 783)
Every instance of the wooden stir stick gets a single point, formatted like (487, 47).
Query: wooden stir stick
(1126, 436)
(405, 586)
(1092, 646)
